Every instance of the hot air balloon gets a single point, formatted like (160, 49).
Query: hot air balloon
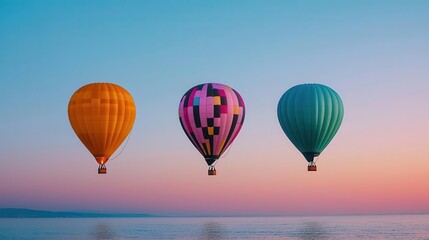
(310, 115)
(102, 115)
(211, 115)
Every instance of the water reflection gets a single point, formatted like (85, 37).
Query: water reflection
(103, 231)
(213, 230)
(312, 231)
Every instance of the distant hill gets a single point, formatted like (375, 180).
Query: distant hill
(29, 213)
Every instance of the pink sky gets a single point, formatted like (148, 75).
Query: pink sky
(384, 174)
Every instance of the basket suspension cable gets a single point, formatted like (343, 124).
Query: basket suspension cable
(125, 145)
(229, 149)
(226, 154)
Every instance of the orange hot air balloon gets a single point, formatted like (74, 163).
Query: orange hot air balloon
(102, 115)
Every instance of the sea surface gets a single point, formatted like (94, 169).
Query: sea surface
(329, 227)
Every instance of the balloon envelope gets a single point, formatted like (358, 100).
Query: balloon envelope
(211, 115)
(101, 115)
(310, 115)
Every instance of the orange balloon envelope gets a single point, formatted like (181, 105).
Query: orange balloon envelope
(102, 115)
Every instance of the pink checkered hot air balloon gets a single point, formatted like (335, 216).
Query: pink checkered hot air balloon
(211, 115)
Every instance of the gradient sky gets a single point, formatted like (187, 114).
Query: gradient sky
(375, 54)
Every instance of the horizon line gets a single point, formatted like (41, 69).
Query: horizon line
(96, 214)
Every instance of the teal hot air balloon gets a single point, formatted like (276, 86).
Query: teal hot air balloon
(310, 115)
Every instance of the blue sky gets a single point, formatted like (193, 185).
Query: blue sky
(374, 53)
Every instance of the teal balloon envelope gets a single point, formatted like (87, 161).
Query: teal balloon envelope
(310, 115)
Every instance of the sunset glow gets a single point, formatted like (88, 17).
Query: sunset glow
(375, 57)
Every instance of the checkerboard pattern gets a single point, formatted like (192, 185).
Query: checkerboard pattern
(211, 115)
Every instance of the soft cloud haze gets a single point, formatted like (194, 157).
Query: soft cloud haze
(375, 54)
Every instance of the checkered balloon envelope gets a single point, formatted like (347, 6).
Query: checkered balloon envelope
(211, 115)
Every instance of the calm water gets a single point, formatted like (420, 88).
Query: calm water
(337, 227)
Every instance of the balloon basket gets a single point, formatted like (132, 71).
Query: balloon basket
(102, 169)
(312, 168)
(212, 171)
